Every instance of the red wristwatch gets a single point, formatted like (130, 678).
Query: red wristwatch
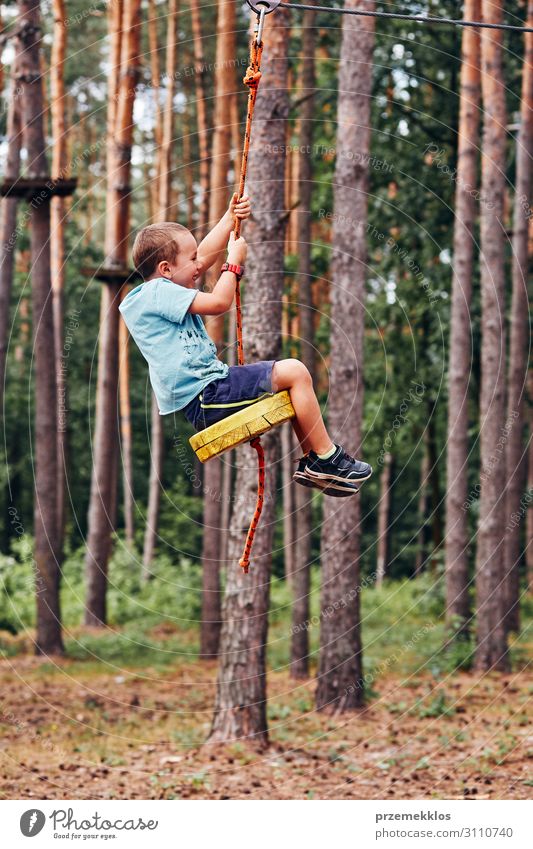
(238, 270)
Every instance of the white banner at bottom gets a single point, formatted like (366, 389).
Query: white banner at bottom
(267, 825)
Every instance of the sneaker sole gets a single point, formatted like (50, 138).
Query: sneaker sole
(318, 476)
(341, 491)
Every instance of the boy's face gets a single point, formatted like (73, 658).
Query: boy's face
(187, 269)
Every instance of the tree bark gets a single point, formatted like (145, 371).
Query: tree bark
(434, 483)
(287, 488)
(519, 344)
(154, 489)
(457, 541)
(156, 90)
(57, 250)
(303, 499)
(49, 638)
(340, 668)
(165, 162)
(164, 180)
(122, 85)
(201, 116)
(188, 177)
(126, 443)
(421, 552)
(240, 708)
(212, 551)
(491, 648)
(384, 510)
(8, 233)
(529, 514)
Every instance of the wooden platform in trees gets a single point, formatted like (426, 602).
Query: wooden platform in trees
(242, 426)
(37, 187)
(113, 275)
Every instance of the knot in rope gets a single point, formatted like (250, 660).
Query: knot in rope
(252, 77)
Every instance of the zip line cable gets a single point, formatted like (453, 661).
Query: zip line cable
(422, 19)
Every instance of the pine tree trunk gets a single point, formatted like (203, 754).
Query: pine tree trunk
(491, 649)
(211, 621)
(57, 249)
(421, 552)
(340, 667)
(240, 709)
(434, 483)
(164, 179)
(189, 175)
(384, 510)
(201, 116)
(212, 552)
(91, 207)
(457, 542)
(122, 86)
(48, 639)
(287, 489)
(156, 91)
(8, 209)
(126, 443)
(154, 488)
(165, 162)
(519, 342)
(303, 499)
(528, 543)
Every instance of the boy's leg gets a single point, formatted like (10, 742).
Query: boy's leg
(336, 473)
(308, 425)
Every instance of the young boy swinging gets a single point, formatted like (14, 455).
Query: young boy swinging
(163, 315)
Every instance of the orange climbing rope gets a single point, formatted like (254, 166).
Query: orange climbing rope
(251, 79)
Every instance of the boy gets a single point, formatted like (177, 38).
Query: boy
(163, 315)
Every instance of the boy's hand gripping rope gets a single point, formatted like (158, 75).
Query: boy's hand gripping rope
(251, 79)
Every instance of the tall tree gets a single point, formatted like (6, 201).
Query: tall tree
(48, 639)
(165, 133)
(529, 515)
(240, 707)
(340, 658)
(124, 31)
(457, 539)
(301, 577)
(156, 91)
(201, 114)
(491, 648)
(422, 510)
(8, 211)
(384, 512)
(515, 448)
(57, 247)
(126, 439)
(218, 201)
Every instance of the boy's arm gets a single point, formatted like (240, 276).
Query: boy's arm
(221, 298)
(217, 239)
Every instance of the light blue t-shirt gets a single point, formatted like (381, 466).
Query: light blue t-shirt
(182, 359)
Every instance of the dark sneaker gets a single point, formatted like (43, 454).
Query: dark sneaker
(300, 477)
(338, 470)
(335, 489)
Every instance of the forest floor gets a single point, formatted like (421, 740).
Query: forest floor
(99, 728)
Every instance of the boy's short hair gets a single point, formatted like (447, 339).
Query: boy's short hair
(155, 243)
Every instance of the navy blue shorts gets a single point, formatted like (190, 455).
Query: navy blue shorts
(243, 385)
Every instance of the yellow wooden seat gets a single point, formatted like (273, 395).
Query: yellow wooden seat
(242, 426)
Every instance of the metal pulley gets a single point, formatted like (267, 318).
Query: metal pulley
(262, 8)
